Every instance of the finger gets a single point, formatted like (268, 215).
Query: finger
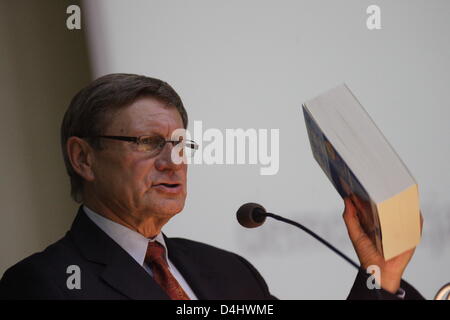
(355, 199)
(351, 221)
(421, 223)
(365, 250)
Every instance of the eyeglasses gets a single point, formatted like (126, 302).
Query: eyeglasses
(155, 144)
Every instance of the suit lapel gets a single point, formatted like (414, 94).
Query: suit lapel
(129, 278)
(120, 270)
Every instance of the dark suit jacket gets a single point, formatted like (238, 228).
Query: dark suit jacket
(108, 272)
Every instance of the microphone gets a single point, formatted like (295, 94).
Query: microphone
(253, 215)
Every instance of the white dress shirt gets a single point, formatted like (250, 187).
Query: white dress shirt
(136, 245)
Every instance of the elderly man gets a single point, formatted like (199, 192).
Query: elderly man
(117, 147)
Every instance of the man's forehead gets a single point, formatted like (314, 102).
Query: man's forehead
(147, 114)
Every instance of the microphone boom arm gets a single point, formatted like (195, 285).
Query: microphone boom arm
(298, 225)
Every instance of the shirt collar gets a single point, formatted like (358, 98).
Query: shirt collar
(134, 243)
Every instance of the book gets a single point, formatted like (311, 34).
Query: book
(362, 165)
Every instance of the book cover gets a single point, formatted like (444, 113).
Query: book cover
(343, 179)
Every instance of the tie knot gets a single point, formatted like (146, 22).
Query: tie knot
(155, 252)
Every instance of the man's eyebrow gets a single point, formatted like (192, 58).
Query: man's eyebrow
(153, 132)
(152, 127)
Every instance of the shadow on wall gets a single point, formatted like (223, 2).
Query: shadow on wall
(43, 64)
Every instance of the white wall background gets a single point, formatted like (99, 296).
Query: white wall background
(250, 64)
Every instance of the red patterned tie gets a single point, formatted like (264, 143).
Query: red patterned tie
(161, 274)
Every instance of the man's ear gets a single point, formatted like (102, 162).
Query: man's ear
(81, 157)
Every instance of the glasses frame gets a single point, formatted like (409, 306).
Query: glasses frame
(138, 140)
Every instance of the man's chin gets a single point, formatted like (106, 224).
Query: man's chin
(168, 208)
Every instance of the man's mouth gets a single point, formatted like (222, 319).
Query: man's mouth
(168, 187)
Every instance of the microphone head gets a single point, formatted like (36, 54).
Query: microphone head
(251, 215)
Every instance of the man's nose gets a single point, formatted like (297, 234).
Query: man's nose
(164, 159)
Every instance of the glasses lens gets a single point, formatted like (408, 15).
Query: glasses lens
(151, 144)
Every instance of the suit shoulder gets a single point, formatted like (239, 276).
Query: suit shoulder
(46, 259)
(34, 274)
(212, 254)
(228, 264)
(200, 247)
